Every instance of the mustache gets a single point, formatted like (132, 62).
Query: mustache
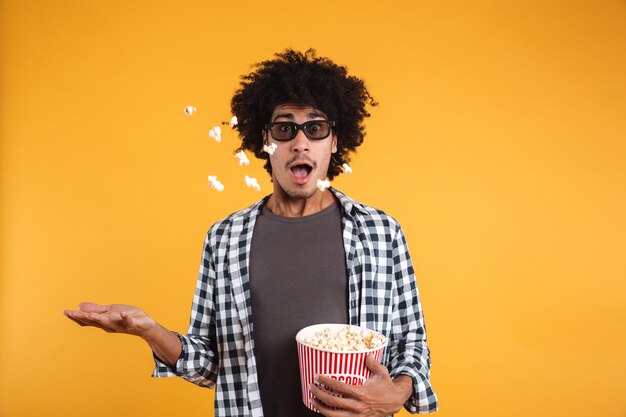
(299, 158)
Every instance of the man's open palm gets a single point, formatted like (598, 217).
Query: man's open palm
(113, 318)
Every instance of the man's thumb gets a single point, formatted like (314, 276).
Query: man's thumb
(375, 366)
(127, 319)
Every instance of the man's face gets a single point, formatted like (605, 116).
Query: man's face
(298, 164)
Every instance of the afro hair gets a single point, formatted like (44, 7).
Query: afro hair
(308, 80)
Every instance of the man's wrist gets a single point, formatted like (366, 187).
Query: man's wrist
(404, 386)
(165, 344)
(153, 333)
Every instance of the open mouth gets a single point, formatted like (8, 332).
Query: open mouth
(301, 172)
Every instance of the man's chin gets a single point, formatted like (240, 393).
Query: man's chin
(300, 192)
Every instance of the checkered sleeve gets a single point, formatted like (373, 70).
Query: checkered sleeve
(198, 362)
(409, 354)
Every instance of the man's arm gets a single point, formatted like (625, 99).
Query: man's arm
(409, 353)
(192, 357)
(198, 362)
(409, 358)
(165, 345)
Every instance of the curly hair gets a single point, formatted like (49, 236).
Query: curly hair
(308, 80)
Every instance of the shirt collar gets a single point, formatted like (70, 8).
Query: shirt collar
(350, 206)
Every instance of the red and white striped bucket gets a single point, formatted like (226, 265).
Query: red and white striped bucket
(348, 367)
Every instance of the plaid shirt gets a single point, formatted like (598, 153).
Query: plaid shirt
(218, 350)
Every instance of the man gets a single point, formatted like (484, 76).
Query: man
(298, 257)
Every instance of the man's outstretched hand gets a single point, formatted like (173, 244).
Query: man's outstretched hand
(113, 318)
(378, 396)
(121, 318)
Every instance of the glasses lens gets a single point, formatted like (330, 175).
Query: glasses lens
(283, 130)
(317, 129)
(313, 129)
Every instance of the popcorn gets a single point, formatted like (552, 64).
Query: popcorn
(233, 122)
(190, 110)
(213, 182)
(270, 149)
(243, 159)
(252, 183)
(216, 133)
(323, 184)
(347, 169)
(347, 339)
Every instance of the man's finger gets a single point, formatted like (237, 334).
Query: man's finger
(100, 319)
(91, 319)
(376, 367)
(74, 319)
(338, 386)
(81, 321)
(93, 308)
(110, 322)
(333, 400)
(329, 412)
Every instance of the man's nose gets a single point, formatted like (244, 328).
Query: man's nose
(300, 143)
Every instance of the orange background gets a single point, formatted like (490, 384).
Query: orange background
(499, 145)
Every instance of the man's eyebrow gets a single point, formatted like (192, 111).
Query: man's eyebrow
(290, 116)
(284, 115)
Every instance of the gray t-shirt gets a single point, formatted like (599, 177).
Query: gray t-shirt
(298, 277)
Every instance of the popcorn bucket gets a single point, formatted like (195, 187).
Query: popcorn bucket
(345, 366)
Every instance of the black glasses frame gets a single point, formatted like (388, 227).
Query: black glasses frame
(302, 127)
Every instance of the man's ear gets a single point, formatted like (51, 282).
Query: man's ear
(264, 135)
(334, 146)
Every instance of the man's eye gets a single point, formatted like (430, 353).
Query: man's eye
(314, 127)
(285, 128)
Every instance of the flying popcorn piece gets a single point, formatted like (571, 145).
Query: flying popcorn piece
(243, 159)
(216, 133)
(252, 183)
(190, 110)
(270, 149)
(233, 122)
(213, 182)
(347, 169)
(323, 184)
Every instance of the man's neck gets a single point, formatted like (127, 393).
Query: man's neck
(281, 204)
